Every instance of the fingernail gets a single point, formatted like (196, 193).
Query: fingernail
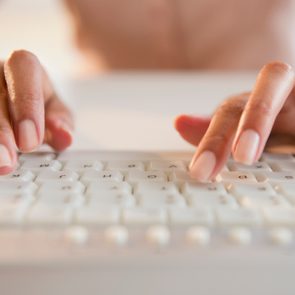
(64, 126)
(203, 166)
(5, 159)
(28, 137)
(246, 147)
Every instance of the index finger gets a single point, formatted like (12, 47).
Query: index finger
(273, 86)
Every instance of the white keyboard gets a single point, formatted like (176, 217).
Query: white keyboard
(149, 196)
(129, 216)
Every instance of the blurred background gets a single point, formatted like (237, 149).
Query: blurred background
(42, 27)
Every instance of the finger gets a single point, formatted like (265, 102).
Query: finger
(214, 149)
(7, 145)
(191, 128)
(273, 86)
(59, 124)
(24, 77)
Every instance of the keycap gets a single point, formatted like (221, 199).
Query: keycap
(18, 176)
(39, 165)
(257, 167)
(13, 208)
(279, 217)
(191, 216)
(251, 190)
(236, 176)
(276, 177)
(180, 176)
(157, 200)
(144, 216)
(136, 176)
(101, 198)
(94, 187)
(42, 215)
(18, 187)
(285, 166)
(125, 166)
(264, 201)
(97, 215)
(50, 175)
(203, 189)
(167, 166)
(281, 236)
(91, 176)
(240, 235)
(146, 187)
(37, 156)
(211, 201)
(83, 165)
(78, 235)
(60, 199)
(276, 157)
(117, 235)
(64, 187)
(158, 235)
(238, 217)
(198, 235)
(286, 189)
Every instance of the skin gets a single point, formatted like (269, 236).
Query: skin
(165, 34)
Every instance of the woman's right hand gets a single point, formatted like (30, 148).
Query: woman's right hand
(30, 111)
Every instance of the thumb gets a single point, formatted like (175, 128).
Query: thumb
(191, 128)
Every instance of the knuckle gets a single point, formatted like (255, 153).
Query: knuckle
(21, 55)
(277, 67)
(260, 107)
(5, 130)
(214, 141)
(234, 105)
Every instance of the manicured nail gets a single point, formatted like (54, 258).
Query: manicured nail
(203, 166)
(64, 126)
(246, 147)
(28, 137)
(5, 159)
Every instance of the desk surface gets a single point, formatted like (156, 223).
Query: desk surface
(136, 111)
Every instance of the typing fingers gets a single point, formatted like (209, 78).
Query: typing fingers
(274, 84)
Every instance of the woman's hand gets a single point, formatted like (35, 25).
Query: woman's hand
(243, 124)
(30, 111)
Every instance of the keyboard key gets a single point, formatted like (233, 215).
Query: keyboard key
(212, 201)
(236, 176)
(238, 217)
(42, 215)
(125, 166)
(257, 167)
(18, 187)
(285, 166)
(147, 187)
(91, 176)
(39, 165)
(276, 177)
(109, 198)
(117, 235)
(180, 176)
(279, 217)
(203, 189)
(264, 201)
(18, 176)
(251, 190)
(144, 216)
(167, 166)
(269, 157)
(286, 189)
(191, 216)
(37, 156)
(157, 200)
(158, 235)
(95, 187)
(83, 165)
(97, 215)
(65, 187)
(136, 176)
(60, 199)
(198, 235)
(281, 236)
(50, 175)
(240, 235)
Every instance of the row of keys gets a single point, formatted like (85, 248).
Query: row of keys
(160, 236)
